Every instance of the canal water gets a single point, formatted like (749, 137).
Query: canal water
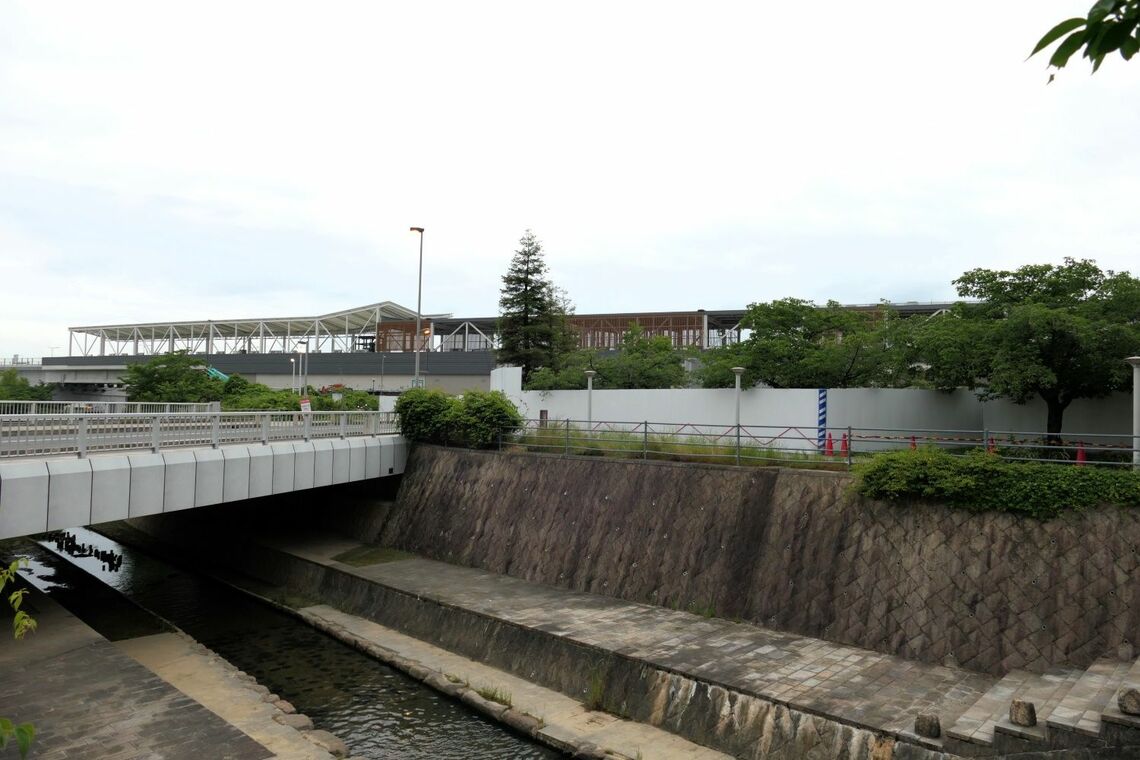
(379, 712)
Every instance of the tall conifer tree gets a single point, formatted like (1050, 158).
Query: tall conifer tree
(533, 329)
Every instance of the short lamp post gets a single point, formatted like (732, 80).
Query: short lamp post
(590, 398)
(303, 369)
(738, 371)
(1135, 362)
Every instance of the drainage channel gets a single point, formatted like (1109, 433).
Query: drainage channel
(123, 592)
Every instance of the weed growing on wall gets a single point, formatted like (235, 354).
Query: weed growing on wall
(979, 482)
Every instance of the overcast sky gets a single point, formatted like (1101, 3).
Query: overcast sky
(164, 161)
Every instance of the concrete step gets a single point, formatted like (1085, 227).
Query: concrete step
(1120, 729)
(973, 733)
(1076, 720)
(1045, 691)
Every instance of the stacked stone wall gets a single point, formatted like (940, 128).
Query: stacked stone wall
(789, 549)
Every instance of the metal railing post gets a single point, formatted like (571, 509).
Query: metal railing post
(215, 430)
(645, 440)
(344, 424)
(82, 437)
(850, 445)
(155, 433)
(566, 448)
(265, 428)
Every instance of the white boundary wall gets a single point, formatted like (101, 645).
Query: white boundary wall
(888, 408)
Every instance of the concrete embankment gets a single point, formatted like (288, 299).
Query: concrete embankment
(742, 690)
(787, 549)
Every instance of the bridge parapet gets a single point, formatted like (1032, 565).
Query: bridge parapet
(43, 435)
(145, 464)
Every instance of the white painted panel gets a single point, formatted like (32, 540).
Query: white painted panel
(260, 471)
(371, 457)
(148, 473)
(282, 467)
(178, 489)
(322, 462)
(304, 463)
(209, 477)
(236, 473)
(23, 498)
(356, 459)
(110, 488)
(341, 456)
(69, 493)
(387, 455)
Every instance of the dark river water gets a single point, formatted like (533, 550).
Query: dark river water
(377, 711)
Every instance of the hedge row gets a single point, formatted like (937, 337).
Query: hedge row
(474, 419)
(978, 481)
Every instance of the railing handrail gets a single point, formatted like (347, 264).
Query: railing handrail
(830, 444)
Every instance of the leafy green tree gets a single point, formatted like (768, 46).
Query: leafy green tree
(640, 361)
(1111, 26)
(796, 344)
(16, 388)
(533, 326)
(1055, 332)
(175, 377)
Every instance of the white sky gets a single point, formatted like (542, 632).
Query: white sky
(227, 160)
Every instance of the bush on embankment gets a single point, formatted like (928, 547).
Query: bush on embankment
(474, 419)
(979, 481)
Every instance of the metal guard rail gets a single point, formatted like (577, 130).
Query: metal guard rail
(23, 435)
(813, 446)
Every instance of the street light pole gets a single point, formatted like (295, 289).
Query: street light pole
(419, 307)
(590, 398)
(1135, 362)
(738, 371)
(292, 375)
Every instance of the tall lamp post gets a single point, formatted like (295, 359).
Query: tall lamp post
(1135, 362)
(419, 295)
(292, 375)
(590, 398)
(738, 371)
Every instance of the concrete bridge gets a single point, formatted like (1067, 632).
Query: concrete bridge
(66, 470)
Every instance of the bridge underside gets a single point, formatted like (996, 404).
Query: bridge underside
(38, 495)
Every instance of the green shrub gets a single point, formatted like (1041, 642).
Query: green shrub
(979, 481)
(426, 416)
(481, 416)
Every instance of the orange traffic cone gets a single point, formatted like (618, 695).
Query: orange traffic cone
(829, 447)
(990, 447)
(1081, 458)
(913, 442)
(843, 446)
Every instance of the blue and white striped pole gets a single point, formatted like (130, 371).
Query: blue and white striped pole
(821, 420)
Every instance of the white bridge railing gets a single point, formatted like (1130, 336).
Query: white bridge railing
(27, 435)
(103, 407)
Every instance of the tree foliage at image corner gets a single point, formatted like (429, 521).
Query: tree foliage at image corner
(1111, 26)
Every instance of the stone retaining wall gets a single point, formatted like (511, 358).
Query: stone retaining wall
(789, 549)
